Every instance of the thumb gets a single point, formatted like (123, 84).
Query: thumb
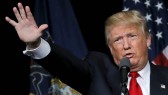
(43, 27)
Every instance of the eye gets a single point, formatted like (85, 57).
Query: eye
(132, 36)
(118, 40)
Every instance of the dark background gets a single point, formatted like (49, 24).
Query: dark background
(14, 67)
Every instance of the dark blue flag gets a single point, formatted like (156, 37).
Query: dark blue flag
(156, 15)
(63, 25)
(39, 80)
(64, 31)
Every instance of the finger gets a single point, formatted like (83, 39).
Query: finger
(29, 13)
(43, 27)
(22, 11)
(17, 14)
(12, 22)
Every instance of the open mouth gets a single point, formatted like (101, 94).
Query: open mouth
(129, 55)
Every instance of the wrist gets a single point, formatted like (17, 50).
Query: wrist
(33, 45)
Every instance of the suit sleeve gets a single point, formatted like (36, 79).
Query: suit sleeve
(72, 70)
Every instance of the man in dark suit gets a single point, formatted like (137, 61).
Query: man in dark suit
(127, 36)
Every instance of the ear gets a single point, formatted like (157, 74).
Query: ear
(148, 40)
(111, 49)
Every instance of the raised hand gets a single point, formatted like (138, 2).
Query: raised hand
(25, 26)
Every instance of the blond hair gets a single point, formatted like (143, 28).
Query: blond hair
(131, 17)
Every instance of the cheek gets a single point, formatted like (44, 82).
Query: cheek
(115, 50)
(116, 53)
(140, 48)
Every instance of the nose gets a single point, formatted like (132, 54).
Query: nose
(126, 43)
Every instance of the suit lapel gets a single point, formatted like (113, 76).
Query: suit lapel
(157, 84)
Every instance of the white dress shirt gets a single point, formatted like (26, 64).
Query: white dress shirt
(40, 52)
(143, 80)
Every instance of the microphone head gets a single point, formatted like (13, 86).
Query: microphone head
(124, 68)
(125, 62)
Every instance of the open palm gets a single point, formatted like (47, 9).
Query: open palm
(26, 27)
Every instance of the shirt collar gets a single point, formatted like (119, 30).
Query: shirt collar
(145, 72)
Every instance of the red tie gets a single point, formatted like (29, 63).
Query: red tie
(134, 89)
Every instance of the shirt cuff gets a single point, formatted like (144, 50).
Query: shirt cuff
(40, 52)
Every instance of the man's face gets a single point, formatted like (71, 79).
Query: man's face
(129, 41)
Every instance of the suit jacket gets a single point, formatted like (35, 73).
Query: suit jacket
(96, 74)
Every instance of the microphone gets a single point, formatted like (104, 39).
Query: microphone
(124, 68)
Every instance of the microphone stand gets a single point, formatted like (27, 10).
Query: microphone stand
(124, 89)
(124, 70)
(124, 80)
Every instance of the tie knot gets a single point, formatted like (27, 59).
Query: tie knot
(133, 74)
